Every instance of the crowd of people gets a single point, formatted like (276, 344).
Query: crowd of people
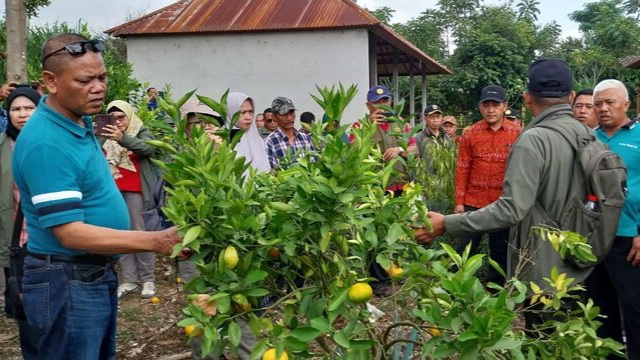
(72, 200)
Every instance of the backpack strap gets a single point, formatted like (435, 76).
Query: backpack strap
(572, 139)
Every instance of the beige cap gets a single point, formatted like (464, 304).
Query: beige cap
(450, 119)
(195, 106)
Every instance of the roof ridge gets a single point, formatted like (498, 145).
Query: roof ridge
(151, 14)
(362, 11)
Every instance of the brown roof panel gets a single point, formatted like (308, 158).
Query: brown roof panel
(225, 16)
(210, 16)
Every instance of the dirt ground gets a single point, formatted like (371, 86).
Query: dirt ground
(145, 330)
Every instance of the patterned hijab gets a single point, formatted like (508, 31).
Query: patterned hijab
(118, 156)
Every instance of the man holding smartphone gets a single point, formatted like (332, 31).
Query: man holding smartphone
(388, 132)
(76, 218)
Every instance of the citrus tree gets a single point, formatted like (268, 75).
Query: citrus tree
(289, 252)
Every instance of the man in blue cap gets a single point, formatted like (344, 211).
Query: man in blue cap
(537, 181)
(386, 138)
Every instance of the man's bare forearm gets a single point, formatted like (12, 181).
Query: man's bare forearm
(100, 240)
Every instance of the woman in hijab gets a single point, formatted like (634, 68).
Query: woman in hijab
(20, 105)
(129, 157)
(251, 145)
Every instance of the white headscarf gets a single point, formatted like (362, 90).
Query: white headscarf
(251, 145)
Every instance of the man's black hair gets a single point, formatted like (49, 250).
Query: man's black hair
(582, 92)
(307, 117)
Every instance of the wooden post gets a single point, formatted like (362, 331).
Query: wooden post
(373, 60)
(396, 60)
(412, 94)
(16, 40)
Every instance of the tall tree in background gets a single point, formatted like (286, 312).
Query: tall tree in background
(609, 35)
(632, 8)
(17, 14)
(528, 10)
(496, 49)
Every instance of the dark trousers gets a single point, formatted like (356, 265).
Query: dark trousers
(498, 244)
(614, 285)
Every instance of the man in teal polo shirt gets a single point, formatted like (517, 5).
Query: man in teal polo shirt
(614, 285)
(76, 218)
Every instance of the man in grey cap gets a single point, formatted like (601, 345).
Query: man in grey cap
(286, 139)
(539, 171)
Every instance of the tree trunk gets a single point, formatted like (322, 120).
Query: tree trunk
(16, 41)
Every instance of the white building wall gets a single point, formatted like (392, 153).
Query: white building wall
(262, 65)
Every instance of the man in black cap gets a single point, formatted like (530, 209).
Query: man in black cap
(480, 168)
(432, 132)
(538, 178)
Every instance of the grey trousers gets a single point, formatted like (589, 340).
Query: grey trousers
(138, 267)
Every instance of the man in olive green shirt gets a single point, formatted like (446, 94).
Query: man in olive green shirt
(538, 171)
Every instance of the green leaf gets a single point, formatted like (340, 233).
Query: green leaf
(505, 344)
(256, 292)
(234, 333)
(324, 242)
(395, 230)
(338, 299)
(341, 339)
(305, 333)
(255, 276)
(361, 344)
(191, 235)
(321, 324)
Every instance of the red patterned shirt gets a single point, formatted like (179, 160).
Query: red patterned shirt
(482, 158)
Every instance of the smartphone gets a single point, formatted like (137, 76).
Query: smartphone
(34, 87)
(388, 116)
(102, 120)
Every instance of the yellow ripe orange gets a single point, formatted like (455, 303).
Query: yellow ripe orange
(191, 329)
(155, 300)
(230, 257)
(360, 292)
(393, 270)
(271, 355)
(434, 331)
(178, 280)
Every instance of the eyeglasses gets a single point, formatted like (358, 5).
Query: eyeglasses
(270, 120)
(119, 117)
(79, 48)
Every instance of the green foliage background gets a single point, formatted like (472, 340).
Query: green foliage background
(484, 44)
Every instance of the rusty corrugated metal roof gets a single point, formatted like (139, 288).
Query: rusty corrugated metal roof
(212, 16)
(225, 16)
(631, 62)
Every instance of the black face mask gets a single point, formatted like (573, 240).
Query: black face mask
(11, 131)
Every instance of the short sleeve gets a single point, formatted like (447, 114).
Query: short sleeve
(51, 177)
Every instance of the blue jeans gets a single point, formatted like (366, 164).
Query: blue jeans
(73, 306)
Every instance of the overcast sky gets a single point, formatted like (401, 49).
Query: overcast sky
(103, 14)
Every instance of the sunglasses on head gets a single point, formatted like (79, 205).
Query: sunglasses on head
(79, 48)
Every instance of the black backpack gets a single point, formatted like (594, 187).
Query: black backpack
(599, 171)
